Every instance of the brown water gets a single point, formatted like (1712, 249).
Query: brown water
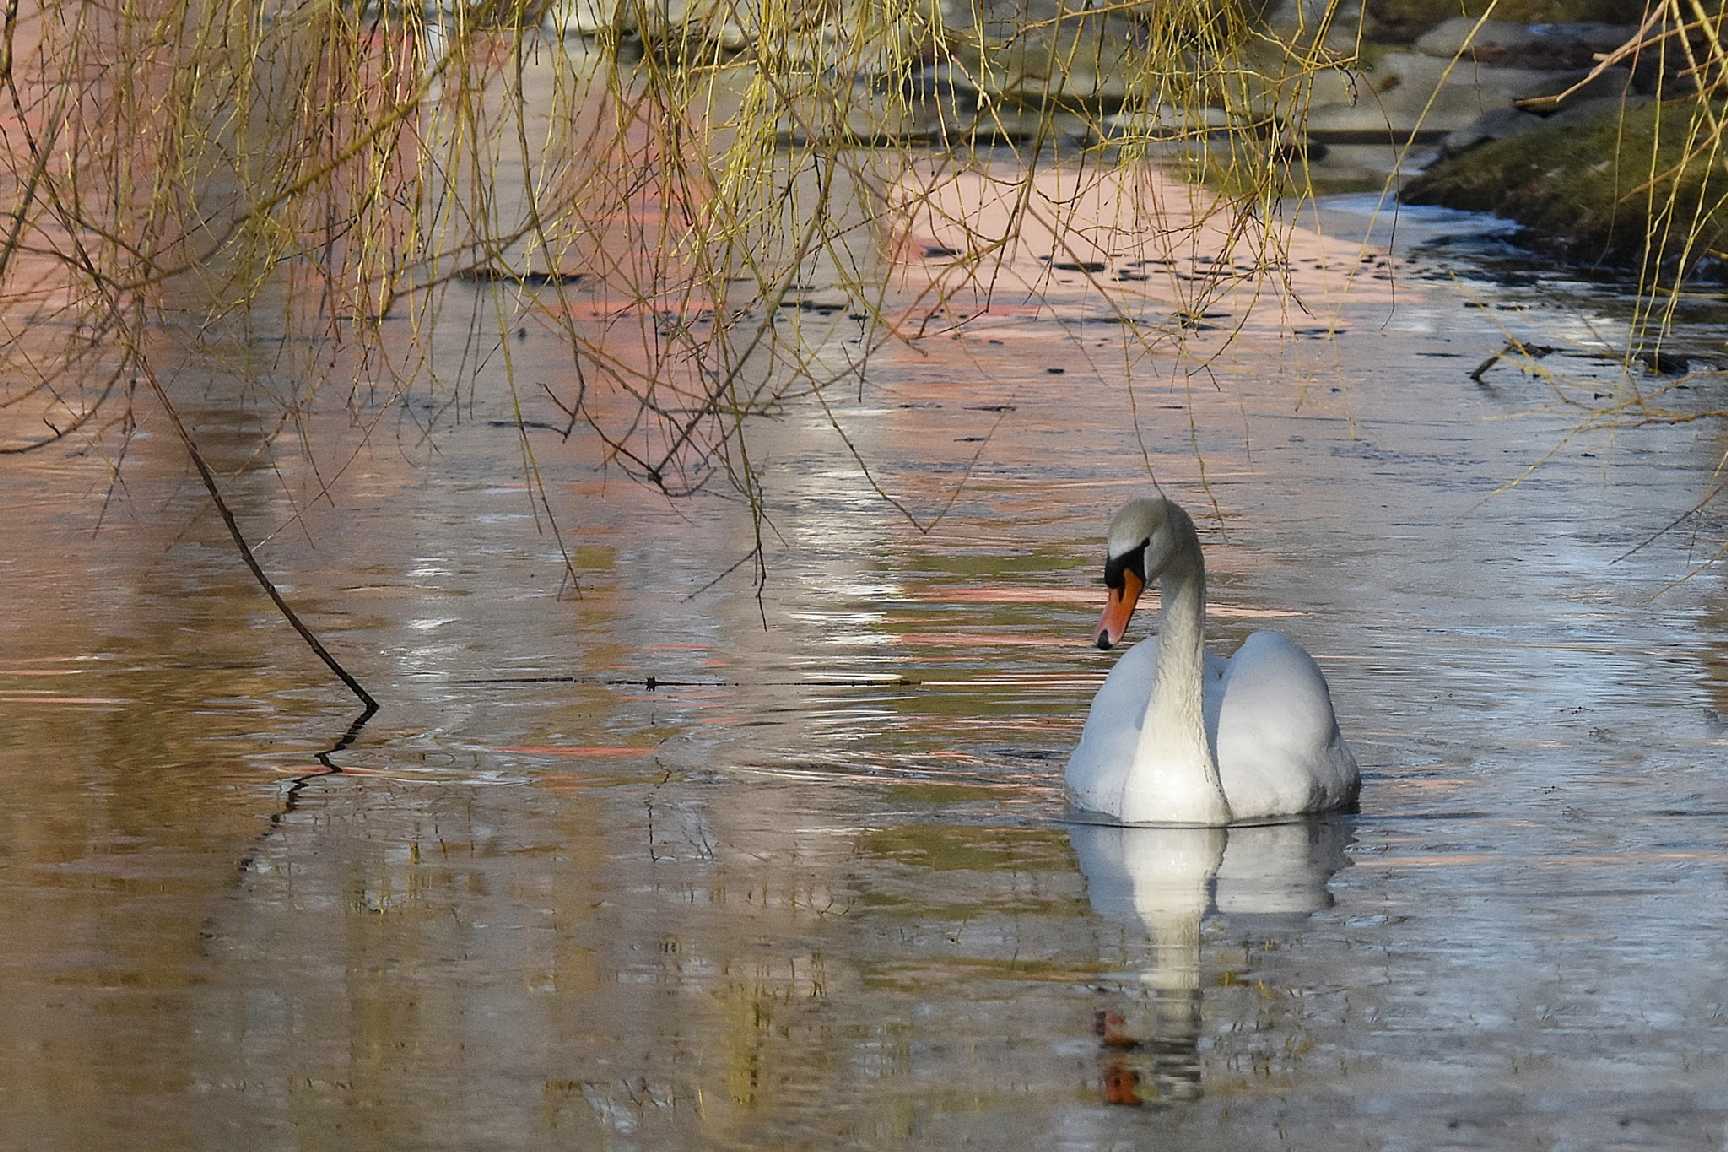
(816, 886)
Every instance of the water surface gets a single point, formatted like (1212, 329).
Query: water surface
(620, 867)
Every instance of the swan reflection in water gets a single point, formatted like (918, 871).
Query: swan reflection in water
(1160, 883)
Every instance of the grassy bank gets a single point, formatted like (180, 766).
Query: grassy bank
(1638, 186)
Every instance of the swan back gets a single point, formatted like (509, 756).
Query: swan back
(1276, 736)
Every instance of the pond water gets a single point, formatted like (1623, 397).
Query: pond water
(620, 867)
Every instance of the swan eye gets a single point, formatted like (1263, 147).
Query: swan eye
(1134, 560)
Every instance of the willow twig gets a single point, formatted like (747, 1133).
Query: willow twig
(366, 698)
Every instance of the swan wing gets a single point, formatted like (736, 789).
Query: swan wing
(1098, 768)
(1271, 722)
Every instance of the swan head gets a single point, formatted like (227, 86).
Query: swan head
(1142, 542)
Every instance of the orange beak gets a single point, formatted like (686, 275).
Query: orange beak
(1118, 610)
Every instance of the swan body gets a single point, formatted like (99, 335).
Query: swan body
(1179, 735)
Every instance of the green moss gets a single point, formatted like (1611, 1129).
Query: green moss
(942, 793)
(952, 562)
(948, 847)
(1011, 903)
(924, 973)
(1579, 186)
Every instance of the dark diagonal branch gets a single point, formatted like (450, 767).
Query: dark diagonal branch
(282, 606)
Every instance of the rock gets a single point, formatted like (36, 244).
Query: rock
(1298, 22)
(1013, 126)
(966, 15)
(1334, 86)
(1090, 61)
(1663, 74)
(1081, 81)
(713, 22)
(1364, 166)
(1069, 51)
(1405, 95)
(1611, 84)
(1599, 107)
(730, 36)
(1495, 84)
(1276, 88)
(587, 18)
(1490, 44)
(1544, 46)
(1495, 124)
(1369, 123)
(1162, 123)
(1360, 124)
(1596, 37)
(945, 84)
(816, 118)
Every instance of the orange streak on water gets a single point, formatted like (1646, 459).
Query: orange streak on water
(965, 639)
(575, 751)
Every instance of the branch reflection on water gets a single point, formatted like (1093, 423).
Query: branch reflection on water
(1164, 882)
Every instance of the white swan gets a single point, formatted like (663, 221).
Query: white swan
(1179, 736)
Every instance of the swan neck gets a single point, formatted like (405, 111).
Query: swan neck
(1176, 707)
(1182, 633)
(1174, 748)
